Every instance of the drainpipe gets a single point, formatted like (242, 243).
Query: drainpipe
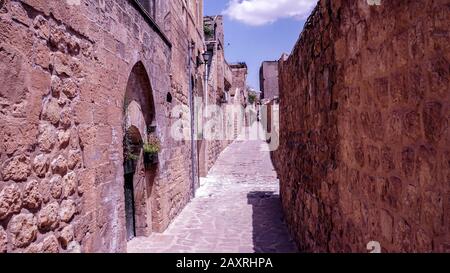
(191, 106)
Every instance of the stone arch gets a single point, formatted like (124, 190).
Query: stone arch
(139, 117)
(139, 89)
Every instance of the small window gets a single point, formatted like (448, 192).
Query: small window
(149, 6)
(169, 97)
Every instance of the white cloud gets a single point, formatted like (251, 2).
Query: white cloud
(261, 12)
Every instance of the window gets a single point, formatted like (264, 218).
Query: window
(149, 6)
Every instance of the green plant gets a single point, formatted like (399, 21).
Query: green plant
(152, 146)
(208, 31)
(251, 98)
(130, 150)
(131, 156)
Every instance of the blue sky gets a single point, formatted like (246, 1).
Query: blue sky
(255, 43)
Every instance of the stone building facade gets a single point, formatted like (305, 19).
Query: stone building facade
(219, 80)
(239, 96)
(364, 106)
(268, 79)
(239, 89)
(81, 82)
(186, 34)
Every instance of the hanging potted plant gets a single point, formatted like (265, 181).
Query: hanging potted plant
(151, 150)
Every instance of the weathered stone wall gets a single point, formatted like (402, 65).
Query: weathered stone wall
(239, 95)
(216, 88)
(64, 71)
(268, 78)
(186, 35)
(364, 107)
(239, 86)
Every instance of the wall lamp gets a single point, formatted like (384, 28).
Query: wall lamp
(207, 56)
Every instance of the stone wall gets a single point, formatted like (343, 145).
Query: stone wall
(64, 70)
(216, 88)
(186, 35)
(364, 107)
(239, 86)
(268, 78)
(239, 94)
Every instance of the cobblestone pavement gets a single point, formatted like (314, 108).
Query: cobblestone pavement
(236, 210)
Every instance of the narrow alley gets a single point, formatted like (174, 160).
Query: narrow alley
(131, 126)
(236, 210)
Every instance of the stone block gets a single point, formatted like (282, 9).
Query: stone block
(31, 196)
(87, 135)
(10, 201)
(17, 169)
(3, 240)
(48, 217)
(387, 159)
(67, 210)
(75, 159)
(373, 157)
(387, 226)
(66, 236)
(10, 142)
(408, 161)
(40, 165)
(51, 111)
(13, 71)
(56, 186)
(63, 138)
(70, 184)
(412, 125)
(95, 155)
(50, 244)
(83, 112)
(433, 121)
(22, 230)
(66, 117)
(59, 165)
(47, 137)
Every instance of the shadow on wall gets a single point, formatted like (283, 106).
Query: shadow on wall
(270, 234)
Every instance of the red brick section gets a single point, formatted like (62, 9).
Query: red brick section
(365, 145)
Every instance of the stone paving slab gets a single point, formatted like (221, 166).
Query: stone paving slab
(237, 210)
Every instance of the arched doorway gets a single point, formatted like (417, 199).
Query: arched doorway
(138, 124)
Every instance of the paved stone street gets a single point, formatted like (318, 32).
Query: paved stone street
(237, 209)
